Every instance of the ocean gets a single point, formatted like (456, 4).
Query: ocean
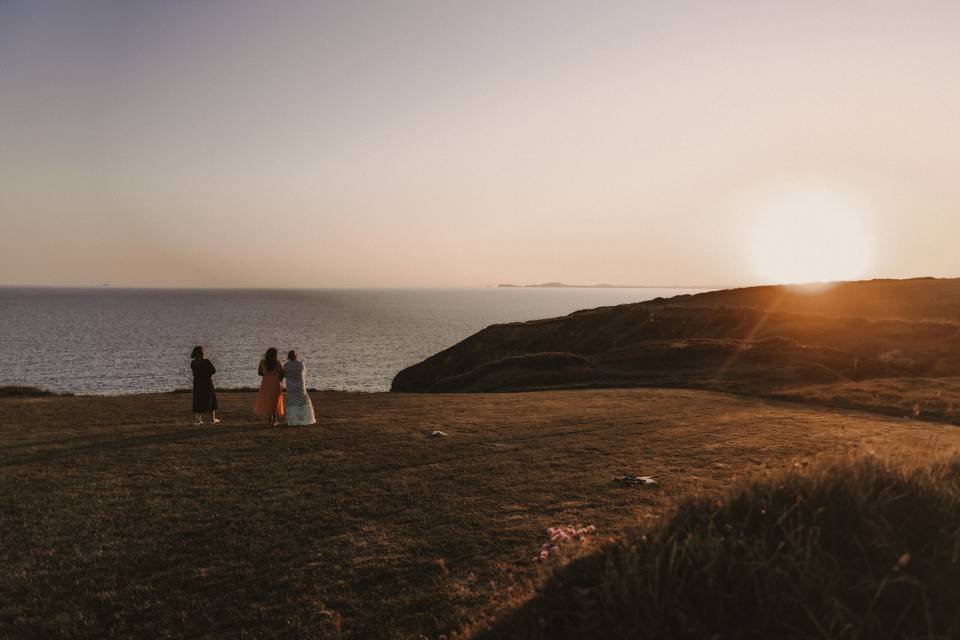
(116, 341)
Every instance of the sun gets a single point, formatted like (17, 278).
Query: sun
(809, 236)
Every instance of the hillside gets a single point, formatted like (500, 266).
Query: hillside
(910, 299)
(756, 340)
(122, 520)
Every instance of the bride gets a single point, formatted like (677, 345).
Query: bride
(299, 409)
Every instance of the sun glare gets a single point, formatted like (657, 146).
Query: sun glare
(809, 236)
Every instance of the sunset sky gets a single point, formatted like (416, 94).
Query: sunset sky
(469, 143)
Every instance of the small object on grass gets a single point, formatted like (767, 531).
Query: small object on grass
(636, 480)
(438, 434)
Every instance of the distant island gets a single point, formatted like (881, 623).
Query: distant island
(563, 285)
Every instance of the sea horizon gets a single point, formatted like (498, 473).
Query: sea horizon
(132, 340)
(363, 287)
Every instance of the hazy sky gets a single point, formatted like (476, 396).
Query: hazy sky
(469, 143)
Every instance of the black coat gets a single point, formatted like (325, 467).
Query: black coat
(204, 397)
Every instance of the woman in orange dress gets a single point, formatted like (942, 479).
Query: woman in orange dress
(270, 399)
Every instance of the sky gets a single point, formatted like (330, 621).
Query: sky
(454, 143)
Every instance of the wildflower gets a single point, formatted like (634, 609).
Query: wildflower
(564, 535)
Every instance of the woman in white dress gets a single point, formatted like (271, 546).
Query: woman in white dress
(299, 408)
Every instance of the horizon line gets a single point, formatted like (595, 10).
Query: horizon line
(106, 286)
(370, 287)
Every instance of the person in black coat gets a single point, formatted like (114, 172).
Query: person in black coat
(204, 396)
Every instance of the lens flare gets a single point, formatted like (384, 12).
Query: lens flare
(809, 236)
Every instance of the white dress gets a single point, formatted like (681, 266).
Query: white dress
(299, 410)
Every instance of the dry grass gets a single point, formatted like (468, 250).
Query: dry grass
(119, 519)
(924, 398)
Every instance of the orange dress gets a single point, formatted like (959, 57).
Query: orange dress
(270, 397)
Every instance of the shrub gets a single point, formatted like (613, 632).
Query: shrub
(25, 392)
(854, 550)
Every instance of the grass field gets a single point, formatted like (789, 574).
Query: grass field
(120, 519)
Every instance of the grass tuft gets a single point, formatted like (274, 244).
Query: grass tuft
(850, 549)
(21, 391)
